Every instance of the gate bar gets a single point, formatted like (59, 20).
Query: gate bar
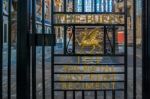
(52, 51)
(114, 39)
(74, 94)
(89, 55)
(83, 4)
(65, 94)
(74, 39)
(134, 49)
(146, 50)
(43, 50)
(95, 94)
(9, 48)
(113, 94)
(23, 50)
(105, 92)
(83, 90)
(65, 40)
(126, 51)
(1, 48)
(83, 94)
(105, 31)
(33, 49)
(88, 64)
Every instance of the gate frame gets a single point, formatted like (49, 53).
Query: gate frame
(23, 50)
(23, 67)
(146, 50)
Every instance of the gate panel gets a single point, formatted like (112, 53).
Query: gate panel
(89, 62)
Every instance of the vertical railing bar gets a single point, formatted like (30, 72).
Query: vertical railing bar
(23, 50)
(74, 95)
(105, 39)
(9, 49)
(113, 6)
(95, 6)
(52, 51)
(65, 7)
(114, 39)
(30, 3)
(73, 40)
(65, 94)
(126, 52)
(83, 5)
(43, 49)
(73, 5)
(134, 49)
(100, 5)
(104, 94)
(108, 7)
(95, 94)
(104, 5)
(113, 94)
(65, 38)
(33, 49)
(83, 95)
(1, 48)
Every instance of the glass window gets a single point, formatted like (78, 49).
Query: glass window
(110, 6)
(101, 5)
(98, 5)
(78, 5)
(89, 6)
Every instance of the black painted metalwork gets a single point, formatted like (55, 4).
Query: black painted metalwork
(126, 51)
(23, 51)
(112, 43)
(1, 49)
(9, 48)
(43, 49)
(33, 49)
(52, 53)
(146, 50)
(134, 51)
(27, 41)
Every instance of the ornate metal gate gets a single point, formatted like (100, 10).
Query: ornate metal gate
(92, 59)
(88, 51)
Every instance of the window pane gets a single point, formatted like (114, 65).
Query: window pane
(78, 5)
(89, 6)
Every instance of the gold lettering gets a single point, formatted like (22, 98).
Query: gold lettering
(85, 68)
(64, 86)
(61, 77)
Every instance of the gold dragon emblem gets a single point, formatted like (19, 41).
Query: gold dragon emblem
(92, 39)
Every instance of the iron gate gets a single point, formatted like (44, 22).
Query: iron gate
(71, 75)
(89, 48)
